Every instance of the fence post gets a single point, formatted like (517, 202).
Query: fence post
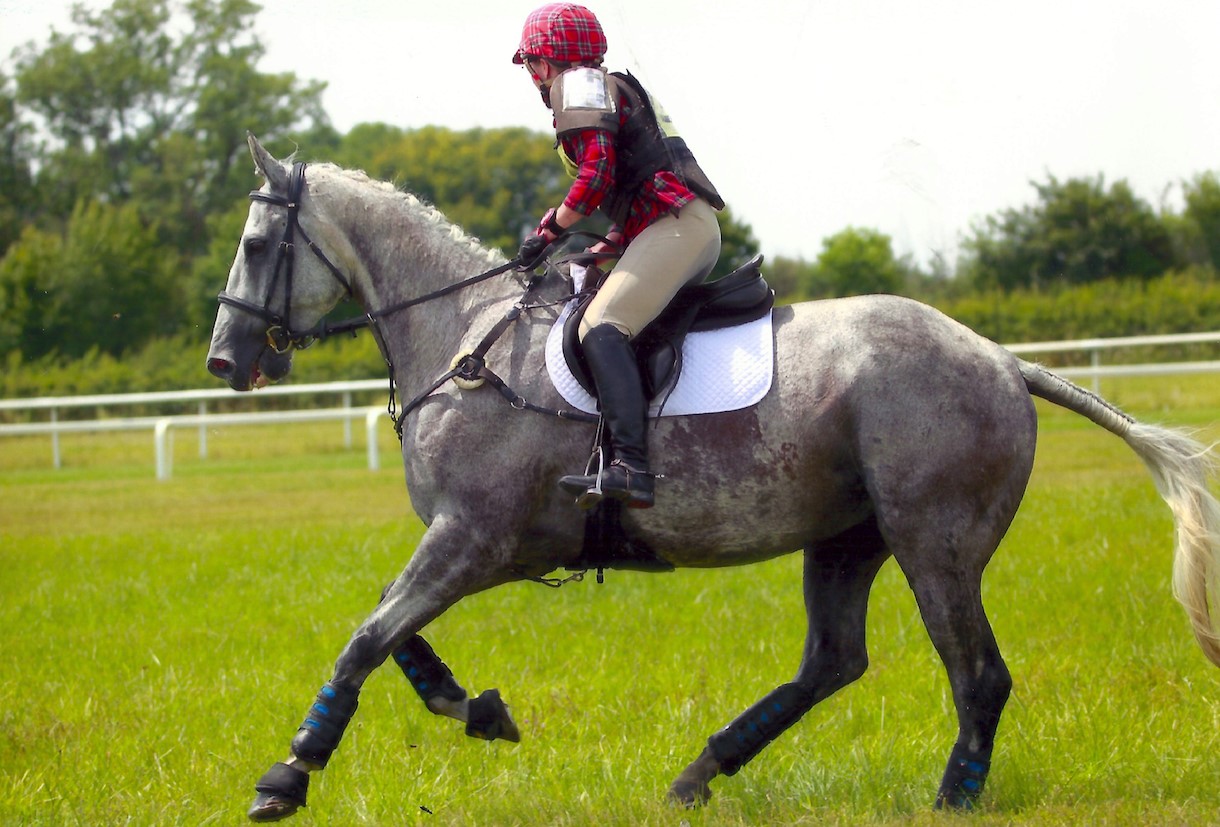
(163, 446)
(203, 431)
(347, 421)
(56, 459)
(370, 436)
(1095, 361)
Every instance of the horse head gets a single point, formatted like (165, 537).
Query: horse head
(273, 299)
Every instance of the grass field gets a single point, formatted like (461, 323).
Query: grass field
(160, 642)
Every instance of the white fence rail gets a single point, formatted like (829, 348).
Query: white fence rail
(201, 419)
(163, 426)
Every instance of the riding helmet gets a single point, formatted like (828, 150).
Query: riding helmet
(563, 32)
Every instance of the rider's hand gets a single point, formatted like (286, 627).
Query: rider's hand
(610, 248)
(531, 252)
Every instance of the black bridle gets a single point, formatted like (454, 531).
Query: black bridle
(282, 338)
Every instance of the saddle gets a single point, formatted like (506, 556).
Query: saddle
(740, 297)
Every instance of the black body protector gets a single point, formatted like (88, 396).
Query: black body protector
(646, 142)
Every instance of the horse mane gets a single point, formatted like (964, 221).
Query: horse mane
(431, 220)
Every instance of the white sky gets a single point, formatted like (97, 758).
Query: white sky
(912, 117)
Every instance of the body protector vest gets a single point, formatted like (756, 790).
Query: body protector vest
(646, 142)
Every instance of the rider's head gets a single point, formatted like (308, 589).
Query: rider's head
(559, 35)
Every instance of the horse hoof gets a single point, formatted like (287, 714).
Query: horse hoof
(689, 794)
(487, 718)
(270, 807)
(690, 789)
(281, 792)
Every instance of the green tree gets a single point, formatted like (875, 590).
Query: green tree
(1202, 220)
(17, 192)
(788, 277)
(737, 243)
(494, 183)
(854, 262)
(105, 284)
(149, 102)
(1079, 231)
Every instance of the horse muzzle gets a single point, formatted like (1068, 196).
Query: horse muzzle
(267, 368)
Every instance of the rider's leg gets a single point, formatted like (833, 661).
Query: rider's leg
(671, 252)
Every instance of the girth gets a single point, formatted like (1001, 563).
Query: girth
(740, 297)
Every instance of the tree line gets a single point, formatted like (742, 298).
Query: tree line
(124, 174)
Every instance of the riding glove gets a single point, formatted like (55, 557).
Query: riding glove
(531, 252)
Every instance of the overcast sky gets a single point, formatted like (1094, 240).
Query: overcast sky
(913, 117)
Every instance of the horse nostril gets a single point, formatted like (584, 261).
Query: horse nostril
(221, 368)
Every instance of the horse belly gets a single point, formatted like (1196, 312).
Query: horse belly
(749, 485)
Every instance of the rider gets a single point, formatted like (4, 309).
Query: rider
(626, 159)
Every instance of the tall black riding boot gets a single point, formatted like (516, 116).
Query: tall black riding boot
(621, 396)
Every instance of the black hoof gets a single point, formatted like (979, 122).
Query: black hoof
(487, 718)
(690, 795)
(281, 792)
(270, 807)
(691, 789)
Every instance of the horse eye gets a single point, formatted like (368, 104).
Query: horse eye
(255, 246)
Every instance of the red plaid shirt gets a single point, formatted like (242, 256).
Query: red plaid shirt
(593, 151)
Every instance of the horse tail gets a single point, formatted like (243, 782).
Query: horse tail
(1181, 468)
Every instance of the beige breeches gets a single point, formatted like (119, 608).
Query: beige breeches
(672, 251)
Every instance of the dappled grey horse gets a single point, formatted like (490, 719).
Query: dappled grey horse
(890, 430)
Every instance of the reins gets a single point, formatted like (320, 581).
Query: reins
(470, 368)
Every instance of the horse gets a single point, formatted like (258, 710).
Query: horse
(890, 430)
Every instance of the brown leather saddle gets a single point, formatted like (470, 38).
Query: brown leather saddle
(742, 296)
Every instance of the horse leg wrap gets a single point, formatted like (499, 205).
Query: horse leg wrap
(429, 676)
(488, 718)
(738, 743)
(323, 727)
(964, 779)
(281, 792)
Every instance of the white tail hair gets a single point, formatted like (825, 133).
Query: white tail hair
(1181, 468)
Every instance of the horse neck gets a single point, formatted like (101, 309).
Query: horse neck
(404, 250)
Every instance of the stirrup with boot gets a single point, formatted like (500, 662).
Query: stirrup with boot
(618, 480)
(620, 393)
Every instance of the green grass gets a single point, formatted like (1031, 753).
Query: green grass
(161, 641)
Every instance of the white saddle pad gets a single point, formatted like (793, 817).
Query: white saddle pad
(722, 370)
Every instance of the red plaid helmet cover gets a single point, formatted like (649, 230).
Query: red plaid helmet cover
(564, 32)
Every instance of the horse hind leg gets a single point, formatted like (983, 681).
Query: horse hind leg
(952, 610)
(838, 577)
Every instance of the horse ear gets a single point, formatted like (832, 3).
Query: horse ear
(266, 165)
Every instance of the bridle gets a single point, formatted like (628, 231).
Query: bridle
(282, 338)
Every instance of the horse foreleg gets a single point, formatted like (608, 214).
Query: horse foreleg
(437, 577)
(486, 717)
(838, 576)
